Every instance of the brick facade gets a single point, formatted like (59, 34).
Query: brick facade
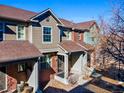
(75, 36)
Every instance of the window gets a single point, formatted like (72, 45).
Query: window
(21, 67)
(3, 79)
(68, 34)
(79, 36)
(45, 62)
(47, 34)
(93, 38)
(60, 63)
(21, 32)
(60, 66)
(1, 31)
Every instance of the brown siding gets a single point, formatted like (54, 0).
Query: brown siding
(14, 76)
(37, 34)
(10, 29)
(11, 34)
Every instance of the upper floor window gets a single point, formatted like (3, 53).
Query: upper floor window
(47, 34)
(68, 34)
(21, 32)
(79, 36)
(1, 31)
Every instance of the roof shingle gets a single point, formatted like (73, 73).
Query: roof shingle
(81, 25)
(71, 46)
(15, 13)
(12, 50)
(86, 24)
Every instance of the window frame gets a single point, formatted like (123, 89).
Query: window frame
(24, 31)
(43, 35)
(5, 81)
(3, 25)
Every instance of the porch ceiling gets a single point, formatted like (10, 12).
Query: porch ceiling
(13, 50)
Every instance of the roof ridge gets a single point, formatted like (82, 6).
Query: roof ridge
(86, 21)
(67, 20)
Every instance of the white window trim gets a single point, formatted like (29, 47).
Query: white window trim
(30, 33)
(59, 35)
(3, 30)
(17, 32)
(51, 35)
(70, 35)
(6, 81)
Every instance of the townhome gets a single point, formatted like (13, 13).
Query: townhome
(37, 47)
(18, 57)
(76, 50)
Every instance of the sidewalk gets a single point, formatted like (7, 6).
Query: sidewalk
(109, 80)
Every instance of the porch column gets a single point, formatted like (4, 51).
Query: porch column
(34, 77)
(66, 66)
(86, 58)
(82, 62)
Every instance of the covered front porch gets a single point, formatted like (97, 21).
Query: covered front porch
(73, 65)
(18, 65)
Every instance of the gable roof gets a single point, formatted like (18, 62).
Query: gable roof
(13, 50)
(45, 11)
(80, 26)
(86, 24)
(13, 13)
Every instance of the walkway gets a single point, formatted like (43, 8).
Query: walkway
(109, 80)
(105, 85)
(96, 89)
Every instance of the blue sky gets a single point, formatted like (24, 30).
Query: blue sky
(74, 10)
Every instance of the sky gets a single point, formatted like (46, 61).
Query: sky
(73, 10)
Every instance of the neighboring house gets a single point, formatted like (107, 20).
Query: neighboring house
(31, 34)
(91, 36)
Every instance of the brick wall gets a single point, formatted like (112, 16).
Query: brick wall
(54, 63)
(14, 76)
(75, 37)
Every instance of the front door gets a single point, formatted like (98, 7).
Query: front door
(3, 79)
